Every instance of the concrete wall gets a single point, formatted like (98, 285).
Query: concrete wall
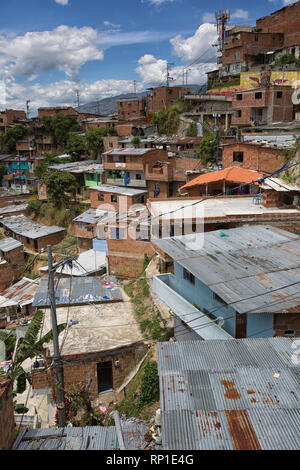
(260, 325)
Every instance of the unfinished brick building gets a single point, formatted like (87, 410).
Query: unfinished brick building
(262, 106)
(131, 108)
(163, 97)
(11, 261)
(251, 156)
(286, 20)
(11, 116)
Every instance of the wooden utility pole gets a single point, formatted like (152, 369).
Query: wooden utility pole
(56, 358)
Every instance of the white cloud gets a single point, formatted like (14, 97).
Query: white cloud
(62, 2)
(198, 45)
(112, 25)
(240, 14)
(60, 93)
(157, 2)
(64, 48)
(288, 2)
(154, 71)
(208, 18)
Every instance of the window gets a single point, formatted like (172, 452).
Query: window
(89, 229)
(100, 197)
(114, 198)
(256, 38)
(237, 55)
(258, 96)
(289, 333)
(138, 176)
(117, 233)
(239, 97)
(188, 276)
(219, 299)
(279, 94)
(238, 113)
(238, 157)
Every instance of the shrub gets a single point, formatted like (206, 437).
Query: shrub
(150, 384)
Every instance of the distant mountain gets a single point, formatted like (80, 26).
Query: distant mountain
(109, 105)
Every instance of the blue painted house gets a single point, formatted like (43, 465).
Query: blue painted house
(245, 280)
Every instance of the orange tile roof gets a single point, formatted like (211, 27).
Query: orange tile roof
(235, 174)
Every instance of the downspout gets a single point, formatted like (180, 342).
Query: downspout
(258, 159)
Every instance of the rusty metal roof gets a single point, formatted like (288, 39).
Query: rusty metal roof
(22, 293)
(8, 244)
(233, 394)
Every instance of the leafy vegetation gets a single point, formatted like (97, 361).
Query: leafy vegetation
(10, 138)
(287, 59)
(49, 159)
(60, 126)
(94, 141)
(60, 184)
(136, 141)
(29, 347)
(149, 392)
(192, 130)
(208, 148)
(76, 146)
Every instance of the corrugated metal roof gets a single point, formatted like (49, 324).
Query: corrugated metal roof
(250, 262)
(22, 293)
(82, 438)
(85, 264)
(93, 216)
(78, 167)
(8, 244)
(225, 395)
(13, 208)
(106, 188)
(21, 225)
(84, 290)
(130, 151)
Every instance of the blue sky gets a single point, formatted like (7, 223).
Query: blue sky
(50, 48)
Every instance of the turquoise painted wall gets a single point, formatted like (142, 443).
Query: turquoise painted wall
(260, 325)
(203, 297)
(92, 179)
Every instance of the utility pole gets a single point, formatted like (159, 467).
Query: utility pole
(56, 358)
(168, 76)
(78, 98)
(134, 86)
(27, 108)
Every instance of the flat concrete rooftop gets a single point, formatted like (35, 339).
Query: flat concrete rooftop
(214, 207)
(106, 326)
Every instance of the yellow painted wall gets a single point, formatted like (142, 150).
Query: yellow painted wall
(253, 79)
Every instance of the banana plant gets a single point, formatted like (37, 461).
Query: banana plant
(28, 348)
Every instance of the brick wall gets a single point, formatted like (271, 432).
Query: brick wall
(284, 21)
(125, 201)
(37, 244)
(278, 108)
(163, 97)
(6, 275)
(81, 367)
(255, 158)
(131, 109)
(286, 322)
(11, 115)
(52, 111)
(7, 422)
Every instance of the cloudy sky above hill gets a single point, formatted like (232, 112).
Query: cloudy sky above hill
(52, 48)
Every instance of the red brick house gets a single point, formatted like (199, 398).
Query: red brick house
(7, 420)
(11, 261)
(266, 158)
(263, 105)
(116, 196)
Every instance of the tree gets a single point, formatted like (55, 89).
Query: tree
(208, 148)
(75, 146)
(59, 126)
(136, 141)
(94, 141)
(29, 347)
(59, 185)
(49, 159)
(10, 138)
(192, 130)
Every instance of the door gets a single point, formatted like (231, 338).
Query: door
(104, 376)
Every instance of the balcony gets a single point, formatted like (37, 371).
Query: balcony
(163, 173)
(132, 182)
(203, 327)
